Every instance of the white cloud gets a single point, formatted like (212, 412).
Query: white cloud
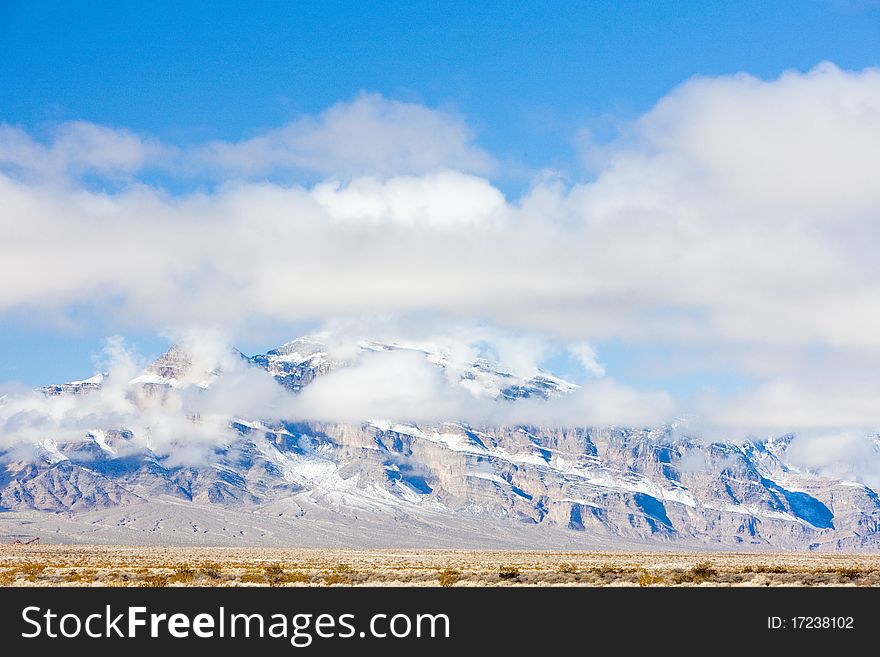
(588, 358)
(849, 455)
(738, 216)
(369, 135)
(187, 421)
(161, 423)
(784, 405)
(803, 142)
(600, 402)
(397, 385)
(404, 386)
(78, 147)
(446, 198)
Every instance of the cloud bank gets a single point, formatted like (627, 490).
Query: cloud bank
(739, 216)
(366, 136)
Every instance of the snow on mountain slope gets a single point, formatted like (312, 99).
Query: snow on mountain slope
(297, 363)
(579, 485)
(75, 387)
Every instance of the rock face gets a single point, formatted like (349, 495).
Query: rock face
(74, 387)
(617, 485)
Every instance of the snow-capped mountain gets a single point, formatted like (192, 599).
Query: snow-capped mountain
(297, 363)
(75, 387)
(446, 484)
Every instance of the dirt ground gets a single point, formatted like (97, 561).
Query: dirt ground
(53, 565)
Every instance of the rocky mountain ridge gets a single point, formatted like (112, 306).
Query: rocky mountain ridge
(535, 486)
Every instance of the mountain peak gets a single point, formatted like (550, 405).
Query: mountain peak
(300, 361)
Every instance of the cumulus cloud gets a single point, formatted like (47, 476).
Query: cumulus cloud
(805, 142)
(369, 135)
(739, 217)
(655, 248)
(441, 199)
(78, 147)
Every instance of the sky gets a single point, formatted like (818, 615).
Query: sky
(683, 191)
(528, 76)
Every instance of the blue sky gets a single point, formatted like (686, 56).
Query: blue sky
(527, 75)
(528, 78)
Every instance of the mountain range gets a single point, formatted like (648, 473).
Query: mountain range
(450, 484)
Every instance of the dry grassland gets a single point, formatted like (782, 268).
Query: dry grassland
(51, 565)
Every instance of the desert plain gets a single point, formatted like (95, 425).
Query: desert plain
(83, 565)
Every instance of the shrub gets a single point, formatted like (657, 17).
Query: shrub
(775, 570)
(275, 575)
(84, 575)
(183, 574)
(211, 572)
(701, 572)
(508, 572)
(567, 569)
(607, 569)
(32, 571)
(339, 574)
(156, 581)
(850, 573)
(647, 579)
(448, 577)
(114, 575)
